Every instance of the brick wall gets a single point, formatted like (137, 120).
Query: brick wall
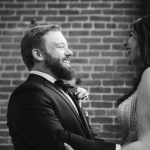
(96, 30)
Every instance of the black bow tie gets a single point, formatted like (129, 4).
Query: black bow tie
(65, 87)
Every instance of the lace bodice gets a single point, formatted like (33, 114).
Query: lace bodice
(128, 119)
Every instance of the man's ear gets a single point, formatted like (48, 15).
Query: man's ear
(37, 54)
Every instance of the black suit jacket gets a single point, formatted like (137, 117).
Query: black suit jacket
(40, 117)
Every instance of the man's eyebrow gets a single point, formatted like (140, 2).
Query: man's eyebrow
(59, 43)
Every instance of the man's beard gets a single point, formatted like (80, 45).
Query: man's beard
(54, 65)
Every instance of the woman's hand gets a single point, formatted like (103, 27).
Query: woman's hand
(68, 147)
(82, 93)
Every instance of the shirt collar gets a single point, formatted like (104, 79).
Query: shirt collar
(44, 75)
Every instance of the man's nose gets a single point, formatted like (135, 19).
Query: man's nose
(69, 52)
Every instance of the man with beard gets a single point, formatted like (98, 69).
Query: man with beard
(41, 116)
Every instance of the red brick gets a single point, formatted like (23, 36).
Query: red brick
(4, 140)
(46, 1)
(11, 18)
(94, 97)
(47, 12)
(120, 33)
(123, 26)
(133, 12)
(100, 112)
(14, 5)
(110, 97)
(98, 68)
(29, 18)
(113, 82)
(36, 5)
(25, 12)
(123, 75)
(99, 47)
(121, 62)
(78, 47)
(87, 25)
(4, 97)
(5, 39)
(11, 75)
(9, 68)
(113, 40)
(100, 5)
(112, 54)
(101, 120)
(88, 54)
(90, 40)
(99, 90)
(99, 25)
(90, 11)
(59, 5)
(87, 68)
(123, 5)
(78, 33)
(2, 25)
(118, 47)
(29, 1)
(7, 12)
(6, 89)
(123, 19)
(77, 25)
(102, 75)
(77, 18)
(99, 61)
(110, 68)
(4, 54)
(55, 19)
(91, 82)
(82, 75)
(113, 12)
(11, 61)
(121, 90)
(21, 68)
(12, 25)
(95, 104)
(79, 5)
(99, 18)
(3, 110)
(12, 33)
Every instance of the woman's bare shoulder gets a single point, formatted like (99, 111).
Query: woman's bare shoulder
(144, 86)
(138, 145)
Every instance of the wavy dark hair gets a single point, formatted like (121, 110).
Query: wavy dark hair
(142, 28)
(33, 39)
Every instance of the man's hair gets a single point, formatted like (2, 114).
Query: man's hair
(33, 39)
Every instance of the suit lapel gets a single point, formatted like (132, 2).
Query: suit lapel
(84, 121)
(79, 116)
(64, 97)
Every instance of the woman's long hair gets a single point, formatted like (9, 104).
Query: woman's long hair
(142, 29)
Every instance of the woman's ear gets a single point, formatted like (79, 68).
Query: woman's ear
(37, 54)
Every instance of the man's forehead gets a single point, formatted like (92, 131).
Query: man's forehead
(55, 37)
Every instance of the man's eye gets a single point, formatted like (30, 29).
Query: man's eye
(60, 46)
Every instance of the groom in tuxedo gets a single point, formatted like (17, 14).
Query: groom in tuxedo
(42, 114)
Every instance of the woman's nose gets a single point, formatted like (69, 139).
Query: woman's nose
(125, 43)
